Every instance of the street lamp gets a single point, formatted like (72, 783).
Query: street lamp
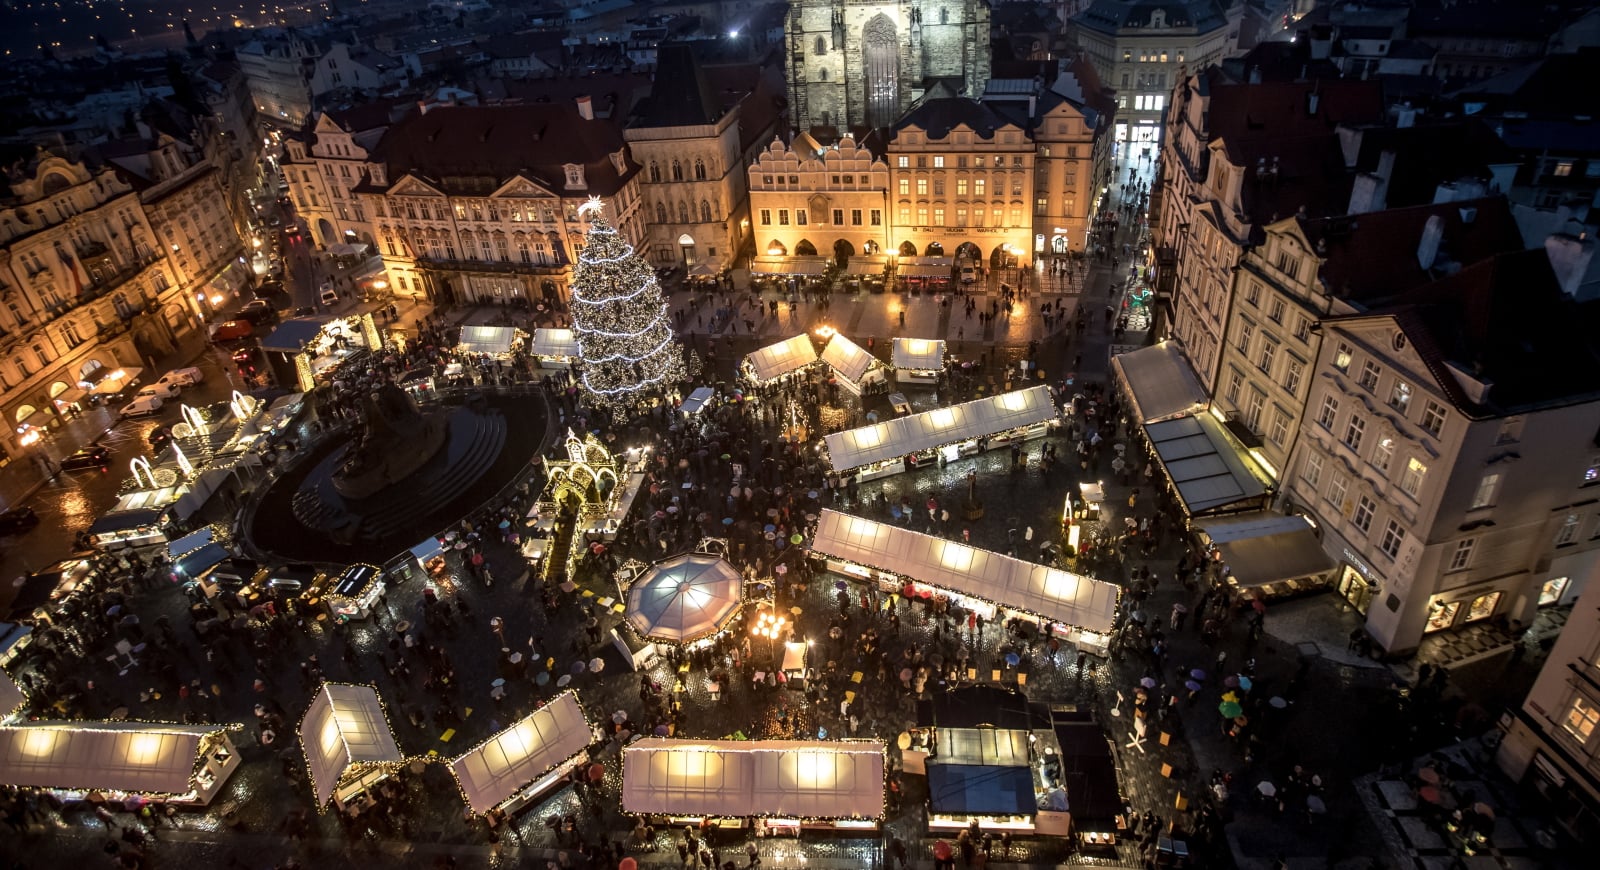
(770, 627)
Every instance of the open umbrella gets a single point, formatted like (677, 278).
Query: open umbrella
(1192, 686)
(565, 681)
(1277, 703)
(727, 521)
(499, 681)
(596, 665)
(1245, 684)
(941, 850)
(770, 528)
(619, 717)
(628, 864)
(577, 667)
(661, 730)
(1148, 682)
(1428, 775)
(796, 538)
(1013, 659)
(597, 772)
(1429, 793)
(1314, 804)
(543, 678)
(1197, 674)
(1484, 810)
(1230, 709)
(1231, 680)
(1267, 789)
(781, 569)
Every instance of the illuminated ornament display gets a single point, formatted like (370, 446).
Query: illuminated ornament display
(624, 336)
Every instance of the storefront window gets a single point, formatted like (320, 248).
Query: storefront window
(1355, 589)
(1552, 590)
(1443, 617)
(1484, 606)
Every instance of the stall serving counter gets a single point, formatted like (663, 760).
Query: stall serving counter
(942, 434)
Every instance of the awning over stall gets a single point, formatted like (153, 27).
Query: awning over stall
(922, 270)
(292, 335)
(190, 542)
(487, 339)
(197, 563)
(980, 789)
(976, 419)
(1202, 464)
(801, 267)
(848, 359)
(1263, 548)
(866, 267)
(135, 757)
(1052, 593)
(697, 400)
(354, 580)
(815, 779)
(499, 767)
(121, 521)
(344, 728)
(1160, 382)
(555, 343)
(777, 360)
(1007, 747)
(918, 354)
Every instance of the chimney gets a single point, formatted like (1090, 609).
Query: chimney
(1428, 246)
(1569, 259)
(586, 108)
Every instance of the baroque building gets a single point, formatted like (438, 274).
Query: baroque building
(864, 62)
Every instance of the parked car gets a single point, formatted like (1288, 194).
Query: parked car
(159, 437)
(158, 391)
(141, 406)
(258, 312)
(328, 295)
(179, 378)
(304, 311)
(17, 520)
(969, 275)
(232, 330)
(88, 457)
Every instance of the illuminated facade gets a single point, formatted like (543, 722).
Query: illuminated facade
(811, 199)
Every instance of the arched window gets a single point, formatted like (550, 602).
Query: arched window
(655, 171)
(821, 47)
(699, 169)
(677, 171)
(661, 213)
(705, 211)
(683, 213)
(881, 56)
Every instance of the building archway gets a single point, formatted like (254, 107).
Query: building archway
(686, 249)
(969, 251)
(776, 248)
(57, 388)
(843, 251)
(89, 367)
(869, 247)
(804, 248)
(934, 249)
(1059, 245)
(1001, 258)
(325, 232)
(908, 249)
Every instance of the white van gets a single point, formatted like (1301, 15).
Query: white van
(182, 377)
(330, 296)
(143, 406)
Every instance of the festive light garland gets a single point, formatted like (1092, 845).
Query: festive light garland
(620, 320)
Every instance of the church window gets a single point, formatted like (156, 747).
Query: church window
(677, 171)
(944, 15)
(683, 213)
(881, 55)
(661, 213)
(655, 171)
(705, 211)
(821, 48)
(699, 169)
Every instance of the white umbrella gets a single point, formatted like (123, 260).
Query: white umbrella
(596, 665)
(1267, 788)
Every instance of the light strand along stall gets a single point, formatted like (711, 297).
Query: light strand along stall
(854, 368)
(517, 765)
(917, 360)
(348, 744)
(786, 357)
(1083, 608)
(785, 784)
(181, 764)
(942, 434)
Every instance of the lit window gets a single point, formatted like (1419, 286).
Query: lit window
(1341, 357)
(1569, 530)
(1383, 454)
(1411, 480)
(1400, 396)
(1581, 719)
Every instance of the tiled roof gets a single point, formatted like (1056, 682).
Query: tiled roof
(1429, 154)
(473, 149)
(682, 95)
(1373, 257)
(938, 117)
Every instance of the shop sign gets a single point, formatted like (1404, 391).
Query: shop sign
(1355, 562)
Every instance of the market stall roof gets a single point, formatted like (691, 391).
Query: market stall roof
(806, 267)
(1160, 382)
(777, 360)
(200, 561)
(345, 727)
(117, 521)
(1263, 548)
(292, 334)
(922, 270)
(976, 706)
(866, 267)
(555, 342)
(11, 695)
(697, 400)
(1007, 747)
(137, 757)
(190, 542)
(354, 580)
(499, 767)
(1087, 766)
(1202, 464)
(848, 359)
(12, 634)
(918, 354)
(1052, 593)
(979, 418)
(685, 598)
(428, 549)
(816, 779)
(980, 789)
(487, 339)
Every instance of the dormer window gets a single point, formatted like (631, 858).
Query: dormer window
(574, 173)
(618, 161)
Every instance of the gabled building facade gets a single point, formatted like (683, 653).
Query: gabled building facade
(812, 199)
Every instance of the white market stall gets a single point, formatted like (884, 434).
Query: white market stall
(788, 783)
(776, 360)
(522, 762)
(555, 348)
(348, 744)
(861, 547)
(917, 360)
(684, 599)
(852, 364)
(495, 341)
(184, 764)
(944, 434)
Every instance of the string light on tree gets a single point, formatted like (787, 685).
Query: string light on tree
(621, 320)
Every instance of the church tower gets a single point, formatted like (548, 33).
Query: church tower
(864, 62)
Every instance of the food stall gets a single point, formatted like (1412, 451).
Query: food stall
(917, 360)
(497, 342)
(193, 566)
(683, 600)
(785, 785)
(1082, 764)
(44, 592)
(418, 384)
(1081, 608)
(122, 529)
(777, 360)
(942, 434)
(355, 591)
(555, 348)
(14, 638)
(925, 273)
(640, 653)
(515, 767)
(794, 665)
(348, 745)
(852, 366)
(178, 764)
(304, 349)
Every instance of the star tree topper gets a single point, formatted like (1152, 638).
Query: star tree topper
(593, 204)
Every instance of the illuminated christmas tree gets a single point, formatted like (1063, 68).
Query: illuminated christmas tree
(624, 333)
